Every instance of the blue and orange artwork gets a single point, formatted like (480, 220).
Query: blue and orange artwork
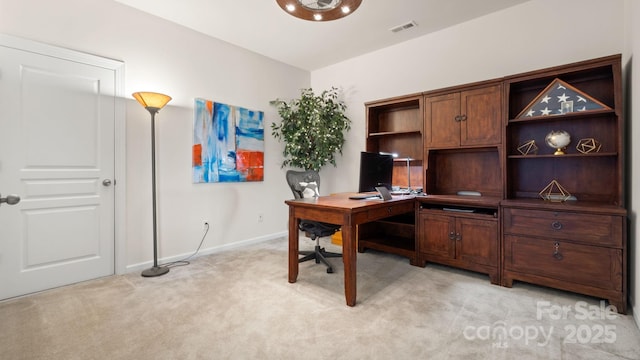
(228, 143)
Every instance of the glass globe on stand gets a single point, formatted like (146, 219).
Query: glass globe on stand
(558, 140)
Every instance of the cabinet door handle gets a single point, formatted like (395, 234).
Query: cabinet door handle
(451, 236)
(457, 118)
(556, 251)
(458, 237)
(463, 117)
(556, 225)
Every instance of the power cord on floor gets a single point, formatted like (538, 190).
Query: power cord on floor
(184, 262)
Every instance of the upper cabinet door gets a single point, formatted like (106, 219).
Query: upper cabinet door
(464, 118)
(481, 118)
(442, 121)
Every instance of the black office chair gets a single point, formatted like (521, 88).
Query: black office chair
(306, 184)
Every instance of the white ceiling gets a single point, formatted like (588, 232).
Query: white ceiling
(263, 27)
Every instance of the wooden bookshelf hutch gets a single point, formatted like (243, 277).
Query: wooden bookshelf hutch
(483, 209)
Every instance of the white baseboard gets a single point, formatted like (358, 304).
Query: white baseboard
(208, 251)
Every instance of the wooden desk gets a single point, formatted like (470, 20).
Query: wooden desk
(339, 209)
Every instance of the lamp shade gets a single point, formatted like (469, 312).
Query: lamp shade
(151, 99)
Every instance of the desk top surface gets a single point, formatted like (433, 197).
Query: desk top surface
(342, 201)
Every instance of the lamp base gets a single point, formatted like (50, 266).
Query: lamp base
(155, 271)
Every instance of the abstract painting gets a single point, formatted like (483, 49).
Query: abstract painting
(228, 143)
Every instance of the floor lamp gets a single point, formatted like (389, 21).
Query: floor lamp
(153, 102)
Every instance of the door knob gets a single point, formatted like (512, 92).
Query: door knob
(106, 182)
(10, 199)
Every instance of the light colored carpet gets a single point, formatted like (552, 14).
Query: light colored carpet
(239, 305)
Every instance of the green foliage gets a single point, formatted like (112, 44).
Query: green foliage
(312, 129)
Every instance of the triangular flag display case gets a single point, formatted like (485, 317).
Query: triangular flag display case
(560, 98)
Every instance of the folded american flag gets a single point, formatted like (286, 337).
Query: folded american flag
(560, 98)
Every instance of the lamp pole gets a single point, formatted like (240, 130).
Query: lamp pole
(153, 102)
(155, 270)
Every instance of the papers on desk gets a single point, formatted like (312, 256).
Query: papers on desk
(383, 193)
(378, 197)
(365, 197)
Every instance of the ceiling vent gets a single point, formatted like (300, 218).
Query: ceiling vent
(405, 26)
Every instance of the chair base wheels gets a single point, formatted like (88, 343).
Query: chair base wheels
(320, 255)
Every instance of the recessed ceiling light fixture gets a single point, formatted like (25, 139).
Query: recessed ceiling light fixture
(319, 10)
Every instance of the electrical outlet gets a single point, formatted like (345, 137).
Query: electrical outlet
(260, 218)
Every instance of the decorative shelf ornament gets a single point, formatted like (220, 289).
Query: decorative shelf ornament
(558, 140)
(554, 192)
(528, 148)
(560, 98)
(588, 145)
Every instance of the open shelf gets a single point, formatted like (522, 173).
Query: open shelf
(464, 169)
(395, 126)
(559, 157)
(390, 244)
(397, 133)
(394, 235)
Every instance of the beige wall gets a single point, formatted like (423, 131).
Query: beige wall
(160, 56)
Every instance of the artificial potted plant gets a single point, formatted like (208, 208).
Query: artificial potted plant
(312, 128)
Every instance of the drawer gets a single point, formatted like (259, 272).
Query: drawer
(586, 228)
(574, 263)
(390, 210)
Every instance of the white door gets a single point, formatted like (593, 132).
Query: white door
(57, 153)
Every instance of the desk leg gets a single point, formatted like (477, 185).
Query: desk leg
(349, 260)
(293, 245)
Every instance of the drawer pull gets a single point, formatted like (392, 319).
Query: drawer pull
(556, 225)
(389, 209)
(556, 251)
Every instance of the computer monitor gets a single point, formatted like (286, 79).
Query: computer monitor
(375, 170)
